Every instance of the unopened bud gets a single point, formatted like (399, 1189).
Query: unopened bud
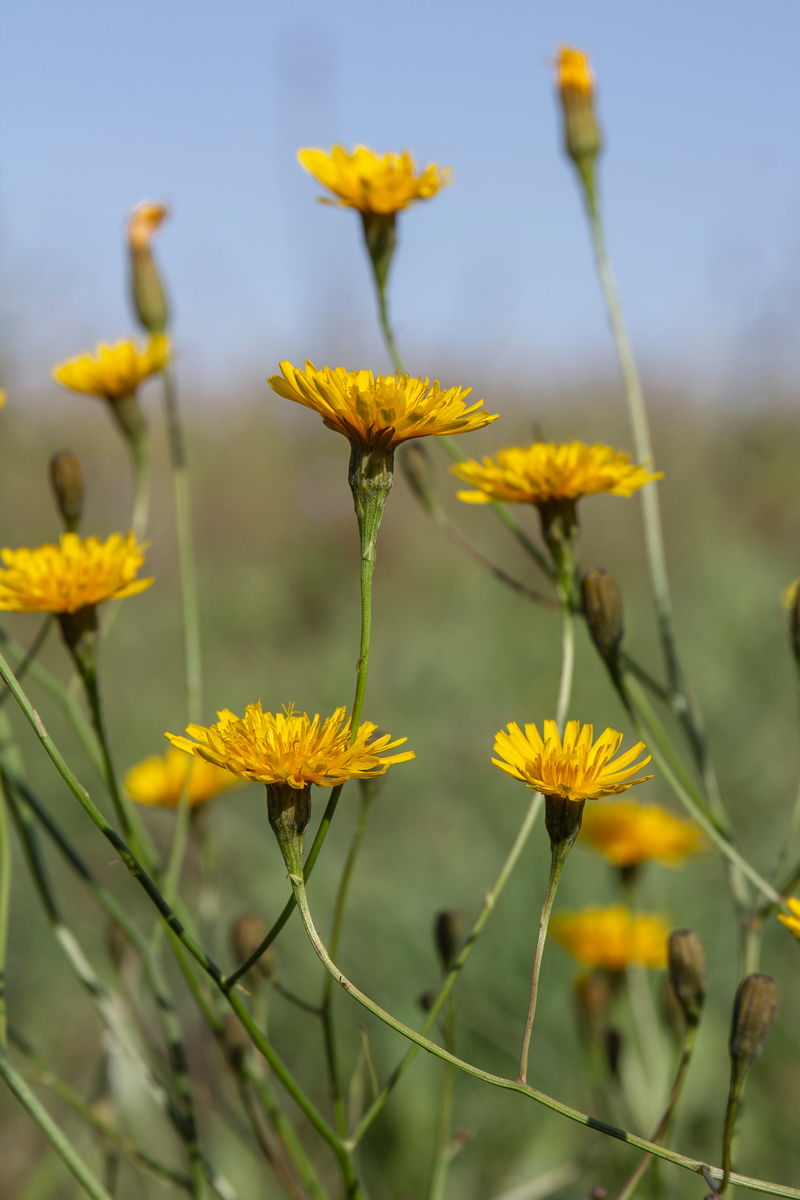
(427, 1000)
(448, 930)
(687, 972)
(602, 604)
(105, 1110)
(418, 469)
(147, 290)
(593, 1002)
(582, 139)
(236, 1037)
(247, 933)
(598, 1193)
(753, 1014)
(66, 477)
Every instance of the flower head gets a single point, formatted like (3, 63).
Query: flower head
(382, 410)
(143, 223)
(573, 72)
(160, 781)
(289, 748)
(627, 834)
(75, 574)
(542, 472)
(373, 185)
(611, 939)
(114, 371)
(793, 921)
(574, 770)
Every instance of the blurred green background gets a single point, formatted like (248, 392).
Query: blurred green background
(455, 657)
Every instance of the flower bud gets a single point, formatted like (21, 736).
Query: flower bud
(687, 972)
(448, 932)
(66, 478)
(575, 83)
(593, 1002)
(247, 933)
(602, 604)
(753, 1014)
(235, 1036)
(149, 299)
(418, 469)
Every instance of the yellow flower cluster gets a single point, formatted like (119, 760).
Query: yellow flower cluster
(577, 769)
(73, 575)
(382, 410)
(371, 184)
(289, 748)
(612, 939)
(160, 781)
(113, 371)
(627, 834)
(543, 472)
(793, 920)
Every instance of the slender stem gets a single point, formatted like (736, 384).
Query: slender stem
(289, 1138)
(454, 533)
(444, 1151)
(367, 569)
(512, 1085)
(663, 1124)
(734, 1097)
(60, 1143)
(188, 572)
(557, 859)
(141, 486)
(5, 904)
(31, 654)
(567, 664)
(386, 328)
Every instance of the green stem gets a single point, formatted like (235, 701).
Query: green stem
(60, 1143)
(567, 664)
(188, 571)
(386, 328)
(30, 654)
(5, 905)
(289, 1138)
(738, 1077)
(512, 1085)
(558, 857)
(444, 1150)
(141, 496)
(663, 1124)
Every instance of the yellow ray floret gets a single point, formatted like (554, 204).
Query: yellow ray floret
(612, 939)
(160, 781)
(543, 472)
(381, 410)
(143, 223)
(578, 769)
(573, 72)
(793, 921)
(73, 575)
(371, 184)
(627, 834)
(113, 371)
(291, 749)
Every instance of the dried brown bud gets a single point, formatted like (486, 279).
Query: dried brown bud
(753, 1014)
(417, 466)
(66, 477)
(687, 972)
(235, 1035)
(427, 1000)
(602, 603)
(593, 1002)
(247, 933)
(448, 932)
(598, 1193)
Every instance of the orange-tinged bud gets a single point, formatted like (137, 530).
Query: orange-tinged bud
(574, 72)
(143, 223)
(582, 140)
(147, 290)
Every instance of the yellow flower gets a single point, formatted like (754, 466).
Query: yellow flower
(627, 834)
(379, 411)
(143, 223)
(373, 185)
(289, 748)
(792, 922)
(542, 472)
(160, 781)
(612, 939)
(115, 371)
(789, 594)
(73, 575)
(576, 770)
(2, 397)
(573, 72)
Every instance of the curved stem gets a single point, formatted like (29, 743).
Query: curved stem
(557, 859)
(5, 901)
(511, 1085)
(31, 654)
(444, 1151)
(386, 328)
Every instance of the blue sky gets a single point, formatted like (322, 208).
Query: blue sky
(203, 105)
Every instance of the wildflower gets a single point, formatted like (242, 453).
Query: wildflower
(793, 920)
(160, 781)
(582, 140)
(627, 834)
(66, 478)
(687, 973)
(602, 606)
(544, 473)
(379, 411)
(115, 371)
(574, 72)
(371, 184)
(147, 290)
(288, 752)
(612, 939)
(577, 769)
(74, 575)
